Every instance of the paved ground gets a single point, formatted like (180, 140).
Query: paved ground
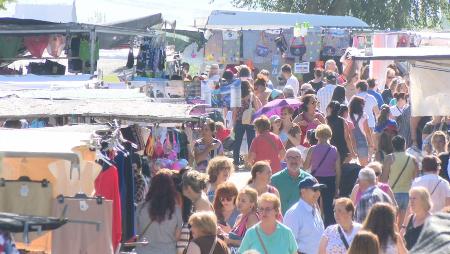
(240, 178)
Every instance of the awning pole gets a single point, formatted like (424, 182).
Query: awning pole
(93, 37)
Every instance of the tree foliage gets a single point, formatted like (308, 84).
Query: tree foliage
(382, 14)
(3, 3)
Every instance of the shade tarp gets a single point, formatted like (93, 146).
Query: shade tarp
(420, 53)
(254, 20)
(142, 110)
(430, 91)
(74, 94)
(31, 81)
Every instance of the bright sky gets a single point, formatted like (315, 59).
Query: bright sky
(89, 11)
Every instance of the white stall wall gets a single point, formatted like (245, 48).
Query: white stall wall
(430, 88)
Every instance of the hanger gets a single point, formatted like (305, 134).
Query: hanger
(80, 195)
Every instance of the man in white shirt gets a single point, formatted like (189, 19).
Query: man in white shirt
(437, 186)
(325, 93)
(291, 80)
(371, 105)
(304, 218)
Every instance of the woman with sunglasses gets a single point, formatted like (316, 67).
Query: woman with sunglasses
(219, 171)
(224, 206)
(269, 236)
(309, 118)
(246, 204)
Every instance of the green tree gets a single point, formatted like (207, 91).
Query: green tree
(3, 3)
(382, 14)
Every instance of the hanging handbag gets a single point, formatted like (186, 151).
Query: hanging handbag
(261, 49)
(248, 113)
(298, 47)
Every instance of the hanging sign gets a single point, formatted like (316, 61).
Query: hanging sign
(301, 67)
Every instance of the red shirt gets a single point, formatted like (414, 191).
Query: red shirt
(223, 134)
(107, 186)
(267, 146)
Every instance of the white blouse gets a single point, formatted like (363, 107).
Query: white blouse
(335, 244)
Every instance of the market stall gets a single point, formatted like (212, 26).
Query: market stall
(429, 73)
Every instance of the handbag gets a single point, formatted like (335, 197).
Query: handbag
(248, 113)
(213, 246)
(313, 172)
(261, 242)
(297, 47)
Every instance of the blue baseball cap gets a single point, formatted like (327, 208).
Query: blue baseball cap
(310, 183)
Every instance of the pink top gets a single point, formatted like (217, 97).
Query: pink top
(383, 186)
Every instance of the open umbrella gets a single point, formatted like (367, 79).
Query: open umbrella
(274, 107)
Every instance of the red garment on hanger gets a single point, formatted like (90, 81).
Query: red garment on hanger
(36, 44)
(107, 186)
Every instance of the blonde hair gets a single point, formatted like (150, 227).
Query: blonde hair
(251, 193)
(323, 131)
(216, 165)
(347, 203)
(424, 196)
(270, 198)
(205, 221)
(376, 166)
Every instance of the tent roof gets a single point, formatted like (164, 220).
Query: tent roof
(236, 20)
(138, 110)
(77, 94)
(421, 53)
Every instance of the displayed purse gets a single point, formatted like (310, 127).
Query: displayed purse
(298, 47)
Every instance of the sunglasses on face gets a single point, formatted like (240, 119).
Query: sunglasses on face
(229, 199)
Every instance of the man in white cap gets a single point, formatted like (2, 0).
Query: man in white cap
(304, 217)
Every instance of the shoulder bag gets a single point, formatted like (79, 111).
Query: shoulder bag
(261, 241)
(313, 172)
(213, 246)
(248, 113)
(341, 235)
(435, 187)
(401, 173)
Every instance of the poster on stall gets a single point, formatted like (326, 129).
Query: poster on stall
(301, 68)
(175, 89)
(221, 97)
(206, 92)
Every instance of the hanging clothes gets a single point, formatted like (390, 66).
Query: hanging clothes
(10, 46)
(76, 238)
(36, 44)
(107, 186)
(85, 50)
(56, 45)
(129, 230)
(26, 198)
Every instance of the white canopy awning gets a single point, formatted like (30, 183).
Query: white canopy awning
(254, 20)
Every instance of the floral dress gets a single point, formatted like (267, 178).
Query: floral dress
(335, 244)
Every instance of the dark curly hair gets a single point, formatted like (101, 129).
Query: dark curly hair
(162, 197)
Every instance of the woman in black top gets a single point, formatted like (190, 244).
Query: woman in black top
(420, 202)
(341, 134)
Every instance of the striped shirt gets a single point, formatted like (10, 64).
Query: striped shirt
(324, 96)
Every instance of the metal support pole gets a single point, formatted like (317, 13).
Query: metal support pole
(93, 37)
